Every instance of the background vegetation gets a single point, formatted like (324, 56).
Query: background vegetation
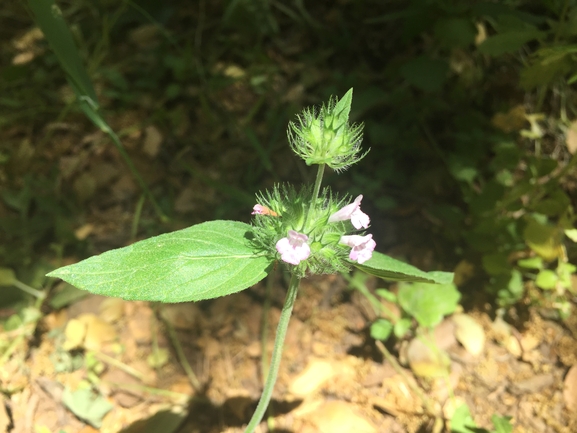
(468, 109)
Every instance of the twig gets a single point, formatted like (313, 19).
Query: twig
(392, 360)
(181, 357)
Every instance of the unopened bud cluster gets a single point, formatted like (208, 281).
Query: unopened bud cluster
(325, 136)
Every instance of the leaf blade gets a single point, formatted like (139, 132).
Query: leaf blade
(388, 268)
(203, 261)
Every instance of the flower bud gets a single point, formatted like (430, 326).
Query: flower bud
(327, 138)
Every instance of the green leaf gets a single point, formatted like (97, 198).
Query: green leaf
(387, 268)
(387, 295)
(564, 272)
(571, 234)
(49, 18)
(554, 205)
(425, 73)
(428, 303)
(402, 327)
(502, 424)
(66, 296)
(543, 238)
(515, 283)
(462, 421)
(381, 329)
(454, 32)
(204, 261)
(508, 42)
(496, 263)
(531, 263)
(542, 73)
(546, 279)
(86, 405)
(342, 109)
(7, 277)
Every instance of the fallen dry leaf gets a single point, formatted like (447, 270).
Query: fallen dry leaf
(98, 332)
(317, 372)
(340, 417)
(571, 137)
(83, 231)
(512, 120)
(74, 334)
(426, 361)
(469, 333)
(152, 141)
(111, 309)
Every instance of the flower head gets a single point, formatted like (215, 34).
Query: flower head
(362, 247)
(352, 211)
(294, 248)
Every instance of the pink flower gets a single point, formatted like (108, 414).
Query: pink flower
(262, 210)
(294, 248)
(352, 211)
(362, 247)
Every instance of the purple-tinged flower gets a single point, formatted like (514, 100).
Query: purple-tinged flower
(362, 247)
(294, 248)
(259, 209)
(352, 211)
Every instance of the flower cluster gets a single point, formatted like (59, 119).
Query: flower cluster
(293, 249)
(322, 242)
(309, 229)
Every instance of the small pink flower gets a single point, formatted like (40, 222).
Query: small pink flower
(294, 248)
(362, 247)
(352, 211)
(262, 210)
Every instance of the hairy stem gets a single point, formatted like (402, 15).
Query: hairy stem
(276, 354)
(316, 190)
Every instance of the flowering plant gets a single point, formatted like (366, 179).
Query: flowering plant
(311, 231)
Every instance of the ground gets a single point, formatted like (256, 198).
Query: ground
(332, 377)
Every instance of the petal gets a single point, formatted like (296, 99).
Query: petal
(343, 214)
(362, 247)
(283, 245)
(297, 238)
(347, 211)
(303, 252)
(293, 249)
(290, 257)
(354, 240)
(359, 219)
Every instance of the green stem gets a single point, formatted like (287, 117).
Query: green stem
(378, 307)
(182, 357)
(318, 182)
(31, 291)
(316, 190)
(276, 354)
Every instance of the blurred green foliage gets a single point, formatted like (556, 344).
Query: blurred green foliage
(467, 109)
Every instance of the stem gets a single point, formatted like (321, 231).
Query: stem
(318, 182)
(276, 354)
(31, 291)
(378, 307)
(182, 357)
(316, 190)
